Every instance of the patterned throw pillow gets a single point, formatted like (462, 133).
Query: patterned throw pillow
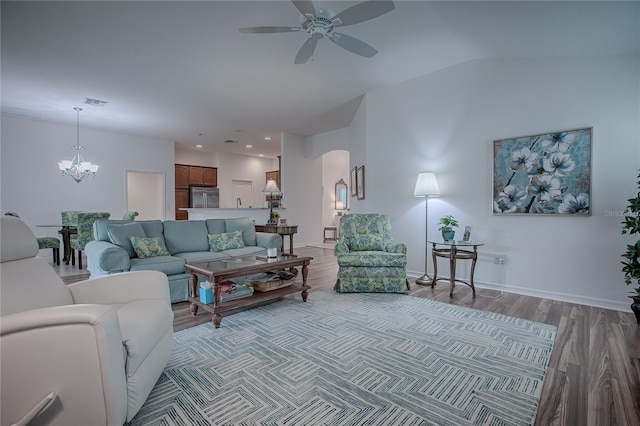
(367, 242)
(231, 240)
(149, 247)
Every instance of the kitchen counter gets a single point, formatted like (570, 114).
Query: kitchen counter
(259, 215)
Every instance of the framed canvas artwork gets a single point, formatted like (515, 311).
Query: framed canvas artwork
(360, 182)
(354, 190)
(547, 173)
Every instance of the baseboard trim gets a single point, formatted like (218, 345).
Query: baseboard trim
(561, 297)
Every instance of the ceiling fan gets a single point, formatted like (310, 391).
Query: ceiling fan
(320, 24)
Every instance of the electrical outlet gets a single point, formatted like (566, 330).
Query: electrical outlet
(499, 259)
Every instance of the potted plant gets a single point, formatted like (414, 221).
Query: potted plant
(446, 225)
(273, 217)
(631, 262)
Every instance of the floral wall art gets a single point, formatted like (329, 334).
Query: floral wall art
(547, 173)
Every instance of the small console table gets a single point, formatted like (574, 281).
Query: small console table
(453, 251)
(281, 230)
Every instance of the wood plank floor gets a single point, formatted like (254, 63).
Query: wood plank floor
(590, 380)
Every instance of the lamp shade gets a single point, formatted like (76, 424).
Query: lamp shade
(271, 187)
(426, 185)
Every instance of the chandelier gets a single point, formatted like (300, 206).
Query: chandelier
(77, 168)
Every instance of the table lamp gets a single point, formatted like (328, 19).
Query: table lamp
(270, 189)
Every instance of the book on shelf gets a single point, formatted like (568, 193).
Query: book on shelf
(240, 291)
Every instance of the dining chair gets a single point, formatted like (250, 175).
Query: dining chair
(70, 217)
(130, 215)
(45, 242)
(85, 233)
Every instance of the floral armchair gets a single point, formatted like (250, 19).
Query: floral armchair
(368, 259)
(85, 233)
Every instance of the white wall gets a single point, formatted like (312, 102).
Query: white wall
(358, 155)
(335, 166)
(301, 180)
(446, 122)
(33, 187)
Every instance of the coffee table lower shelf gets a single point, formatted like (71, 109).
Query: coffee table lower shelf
(244, 303)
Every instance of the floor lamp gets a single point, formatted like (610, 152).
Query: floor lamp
(426, 186)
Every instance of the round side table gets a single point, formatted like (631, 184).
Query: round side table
(454, 250)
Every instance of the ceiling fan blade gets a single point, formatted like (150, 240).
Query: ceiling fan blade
(260, 30)
(363, 12)
(306, 51)
(353, 45)
(305, 7)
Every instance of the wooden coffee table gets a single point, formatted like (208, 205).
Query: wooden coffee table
(217, 271)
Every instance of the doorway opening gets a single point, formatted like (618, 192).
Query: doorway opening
(145, 193)
(242, 193)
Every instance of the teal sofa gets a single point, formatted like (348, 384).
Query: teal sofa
(186, 242)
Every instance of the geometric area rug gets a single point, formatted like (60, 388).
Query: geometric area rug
(354, 359)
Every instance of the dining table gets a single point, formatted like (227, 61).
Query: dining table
(66, 231)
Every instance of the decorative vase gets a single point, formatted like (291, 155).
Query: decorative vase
(635, 307)
(448, 235)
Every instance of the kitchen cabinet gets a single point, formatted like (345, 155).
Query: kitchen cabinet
(207, 176)
(210, 176)
(182, 201)
(182, 176)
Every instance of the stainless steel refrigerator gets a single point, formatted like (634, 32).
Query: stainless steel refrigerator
(207, 197)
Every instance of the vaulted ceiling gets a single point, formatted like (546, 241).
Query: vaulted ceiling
(181, 70)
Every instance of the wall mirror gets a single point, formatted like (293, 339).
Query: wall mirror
(341, 195)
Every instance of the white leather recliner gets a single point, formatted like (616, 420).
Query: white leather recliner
(84, 354)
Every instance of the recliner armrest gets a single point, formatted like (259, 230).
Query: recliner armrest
(396, 248)
(122, 288)
(73, 350)
(53, 316)
(340, 248)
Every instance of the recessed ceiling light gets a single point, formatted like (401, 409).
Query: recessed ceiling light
(260, 155)
(198, 146)
(249, 146)
(267, 138)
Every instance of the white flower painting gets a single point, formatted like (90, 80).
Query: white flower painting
(549, 173)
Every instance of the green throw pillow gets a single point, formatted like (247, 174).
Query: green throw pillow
(149, 247)
(367, 243)
(226, 241)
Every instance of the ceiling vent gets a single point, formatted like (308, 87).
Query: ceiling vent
(95, 102)
(230, 141)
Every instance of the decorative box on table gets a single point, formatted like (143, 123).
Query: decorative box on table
(206, 295)
(268, 281)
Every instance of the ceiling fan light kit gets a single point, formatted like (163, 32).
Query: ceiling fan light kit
(319, 26)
